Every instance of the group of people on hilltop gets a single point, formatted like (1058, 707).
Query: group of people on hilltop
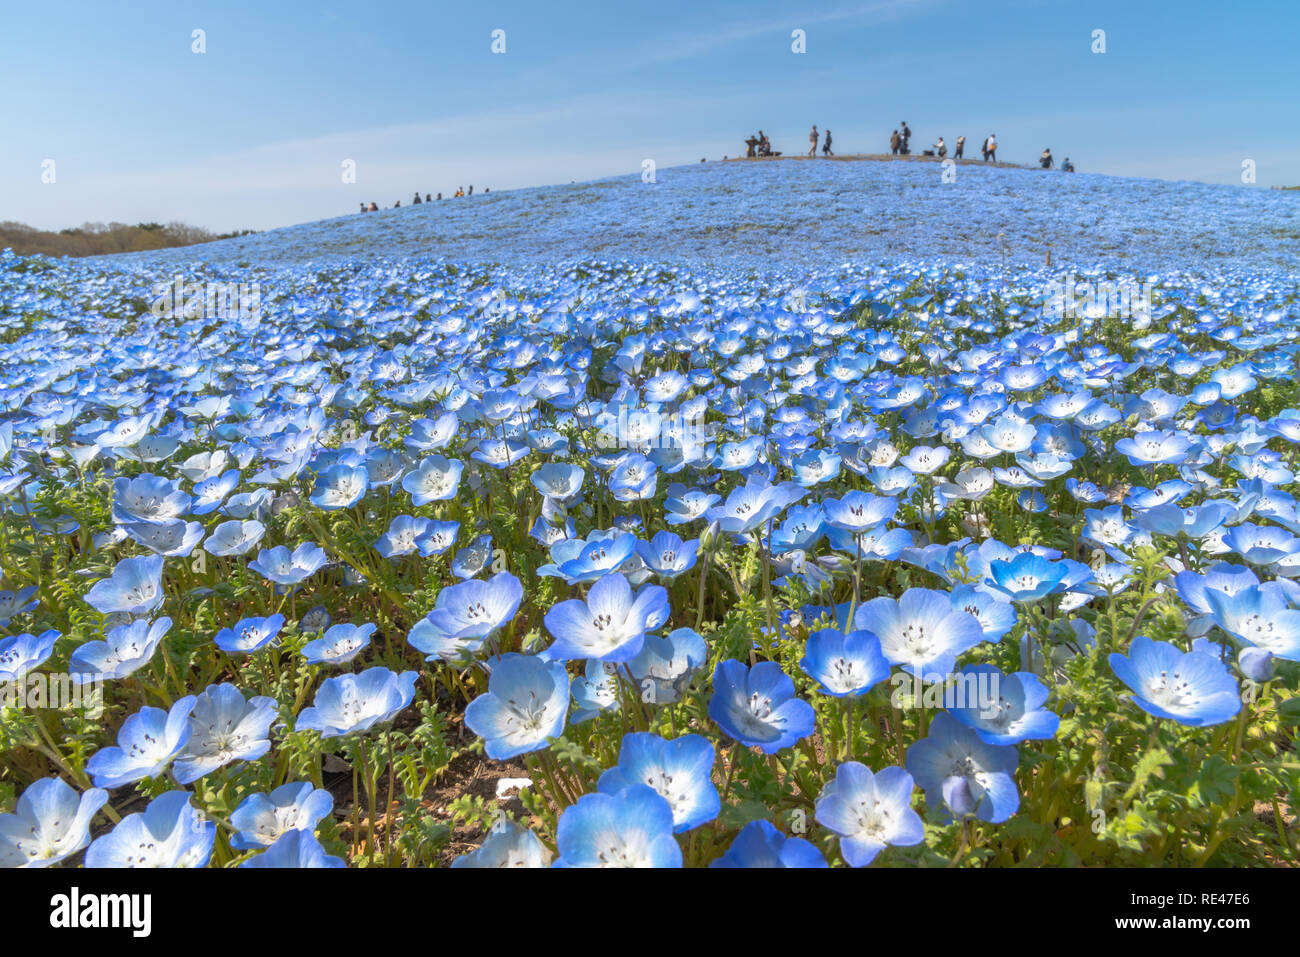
(759, 145)
(1046, 162)
(428, 198)
(812, 140)
(900, 144)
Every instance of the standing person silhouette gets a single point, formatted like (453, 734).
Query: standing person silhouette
(826, 147)
(961, 146)
(993, 148)
(812, 138)
(907, 138)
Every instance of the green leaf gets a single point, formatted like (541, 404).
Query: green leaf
(1288, 711)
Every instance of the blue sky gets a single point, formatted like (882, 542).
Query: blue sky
(252, 133)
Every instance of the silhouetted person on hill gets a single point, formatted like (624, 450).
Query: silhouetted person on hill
(1067, 166)
(940, 149)
(826, 147)
(812, 138)
(992, 144)
(397, 204)
(961, 146)
(751, 145)
(895, 143)
(764, 144)
(373, 208)
(1045, 160)
(440, 196)
(363, 207)
(907, 139)
(471, 189)
(428, 198)
(418, 201)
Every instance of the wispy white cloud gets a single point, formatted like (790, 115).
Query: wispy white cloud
(700, 42)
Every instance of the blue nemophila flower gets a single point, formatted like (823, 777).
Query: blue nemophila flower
(146, 743)
(874, 544)
(51, 822)
(402, 536)
(688, 506)
(352, 703)
(633, 828)
(510, 845)
(921, 630)
(558, 480)
(869, 811)
(667, 555)
(859, 511)
(964, 773)
(168, 833)
(679, 770)
(995, 615)
(435, 479)
(340, 486)
(20, 654)
(249, 504)
(1154, 448)
(437, 537)
(14, 603)
(610, 625)
(296, 849)
(125, 650)
(261, 819)
(1255, 663)
(476, 609)
(752, 505)
(224, 727)
(148, 498)
(176, 538)
(1193, 688)
(429, 434)
(803, 528)
(634, 479)
(525, 704)
(1027, 577)
(815, 466)
(249, 635)
(757, 706)
(760, 844)
(1003, 709)
(925, 460)
(314, 621)
(664, 667)
(844, 664)
(1195, 523)
(135, 587)
(210, 494)
(1259, 615)
(500, 453)
(234, 538)
(595, 690)
(473, 558)
(1261, 544)
(339, 645)
(436, 644)
(280, 566)
(579, 561)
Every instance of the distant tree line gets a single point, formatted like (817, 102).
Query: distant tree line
(99, 239)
